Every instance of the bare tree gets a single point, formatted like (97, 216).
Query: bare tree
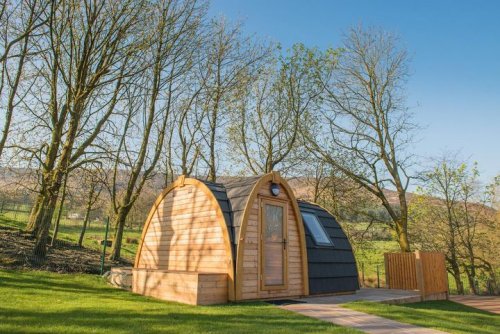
(60, 210)
(92, 186)
(364, 127)
(19, 20)
(230, 61)
(149, 104)
(459, 210)
(272, 108)
(85, 53)
(183, 146)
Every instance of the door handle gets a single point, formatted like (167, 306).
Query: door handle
(284, 243)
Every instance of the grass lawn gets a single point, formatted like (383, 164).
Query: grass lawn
(41, 302)
(442, 315)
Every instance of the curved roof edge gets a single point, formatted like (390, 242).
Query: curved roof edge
(181, 181)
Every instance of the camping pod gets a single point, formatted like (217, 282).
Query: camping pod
(247, 239)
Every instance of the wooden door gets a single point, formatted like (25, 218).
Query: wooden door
(273, 236)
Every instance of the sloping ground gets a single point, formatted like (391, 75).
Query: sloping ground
(15, 253)
(41, 302)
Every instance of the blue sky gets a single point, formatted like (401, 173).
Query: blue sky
(454, 89)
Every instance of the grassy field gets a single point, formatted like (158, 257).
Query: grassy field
(370, 254)
(442, 315)
(371, 257)
(368, 257)
(40, 302)
(69, 230)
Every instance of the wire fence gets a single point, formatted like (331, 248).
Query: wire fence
(78, 247)
(372, 275)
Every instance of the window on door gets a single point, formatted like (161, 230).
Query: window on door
(273, 245)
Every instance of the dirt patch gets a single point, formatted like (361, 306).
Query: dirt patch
(65, 257)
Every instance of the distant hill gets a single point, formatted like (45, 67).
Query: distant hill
(302, 186)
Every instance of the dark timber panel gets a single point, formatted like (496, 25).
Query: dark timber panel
(219, 192)
(331, 269)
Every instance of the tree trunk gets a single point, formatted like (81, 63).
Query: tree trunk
(84, 228)
(404, 244)
(119, 224)
(212, 171)
(31, 227)
(458, 283)
(48, 177)
(470, 270)
(44, 219)
(59, 212)
(455, 272)
(402, 234)
(87, 216)
(44, 215)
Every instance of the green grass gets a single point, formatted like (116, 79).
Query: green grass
(40, 302)
(370, 253)
(69, 230)
(442, 315)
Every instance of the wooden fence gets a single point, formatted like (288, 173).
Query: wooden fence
(423, 271)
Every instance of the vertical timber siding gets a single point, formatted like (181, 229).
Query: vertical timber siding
(400, 271)
(423, 271)
(251, 252)
(434, 275)
(184, 234)
(186, 287)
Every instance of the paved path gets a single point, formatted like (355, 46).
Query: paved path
(485, 303)
(392, 296)
(362, 321)
(328, 309)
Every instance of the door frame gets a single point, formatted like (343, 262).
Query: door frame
(263, 200)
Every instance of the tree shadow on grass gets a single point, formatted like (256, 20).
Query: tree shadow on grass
(174, 319)
(84, 304)
(83, 320)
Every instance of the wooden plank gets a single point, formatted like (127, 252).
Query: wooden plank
(424, 271)
(184, 287)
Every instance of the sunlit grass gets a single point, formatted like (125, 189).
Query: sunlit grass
(442, 315)
(40, 302)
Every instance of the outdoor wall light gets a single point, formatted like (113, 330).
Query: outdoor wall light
(275, 189)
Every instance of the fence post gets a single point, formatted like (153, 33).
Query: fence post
(386, 262)
(363, 274)
(419, 273)
(105, 244)
(378, 277)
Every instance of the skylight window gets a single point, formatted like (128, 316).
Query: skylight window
(318, 232)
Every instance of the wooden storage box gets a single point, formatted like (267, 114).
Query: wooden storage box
(181, 286)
